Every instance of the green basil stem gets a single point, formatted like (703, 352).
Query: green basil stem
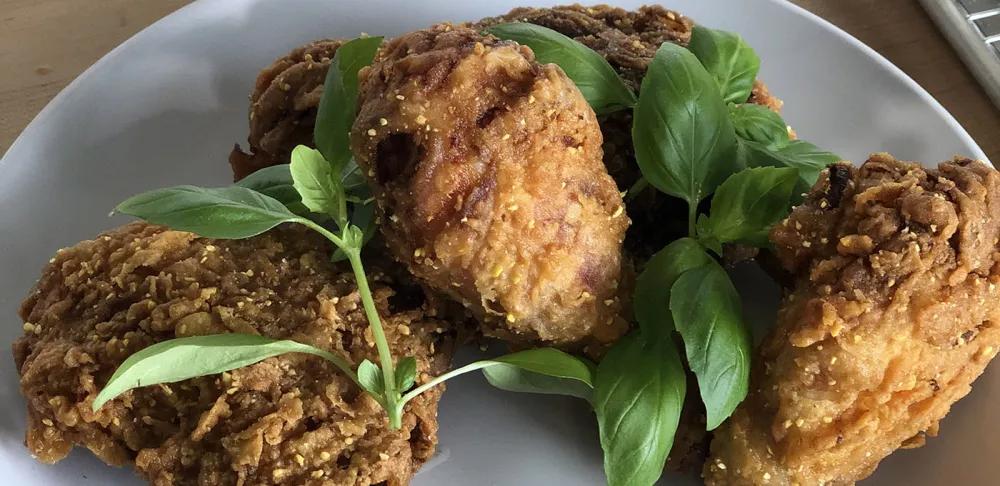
(692, 216)
(478, 365)
(636, 188)
(388, 373)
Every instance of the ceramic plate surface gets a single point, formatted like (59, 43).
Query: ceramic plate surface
(167, 106)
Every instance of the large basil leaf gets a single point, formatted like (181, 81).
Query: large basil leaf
(729, 59)
(638, 396)
(191, 357)
(600, 84)
(230, 212)
(652, 289)
(340, 95)
(708, 315)
(684, 142)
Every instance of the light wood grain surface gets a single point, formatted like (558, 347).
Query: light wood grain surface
(45, 44)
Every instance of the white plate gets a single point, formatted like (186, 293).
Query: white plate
(167, 106)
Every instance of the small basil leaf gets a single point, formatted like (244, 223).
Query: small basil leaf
(406, 373)
(756, 123)
(684, 142)
(514, 379)
(600, 84)
(749, 203)
(370, 377)
(638, 395)
(651, 299)
(549, 362)
(228, 213)
(729, 59)
(708, 316)
(809, 159)
(191, 357)
(314, 180)
(340, 93)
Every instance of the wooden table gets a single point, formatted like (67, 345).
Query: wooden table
(45, 44)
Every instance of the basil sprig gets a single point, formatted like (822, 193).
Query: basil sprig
(324, 183)
(684, 142)
(600, 84)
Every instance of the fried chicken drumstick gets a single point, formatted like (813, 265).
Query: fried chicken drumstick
(292, 419)
(893, 316)
(487, 176)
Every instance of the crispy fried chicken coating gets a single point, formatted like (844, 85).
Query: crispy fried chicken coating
(283, 106)
(487, 175)
(293, 419)
(628, 39)
(893, 316)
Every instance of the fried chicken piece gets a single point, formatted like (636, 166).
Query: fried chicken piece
(293, 419)
(628, 39)
(893, 316)
(283, 106)
(487, 175)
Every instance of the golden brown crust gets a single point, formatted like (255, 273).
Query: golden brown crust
(890, 322)
(293, 419)
(487, 174)
(283, 106)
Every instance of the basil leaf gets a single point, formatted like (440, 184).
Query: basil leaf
(708, 316)
(370, 378)
(639, 391)
(756, 123)
(549, 362)
(749, 203)
(314, 180)
(600, 84)
(684, 142)
(354, 182)
(191, 357)
(406, 373)
(729, 59)
(275, 181)
(340, 94)
(651, 299)
(229, 212)
(514, 379)
(809, 159)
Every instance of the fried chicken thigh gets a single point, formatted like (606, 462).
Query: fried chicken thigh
(487, 175)
(893, 316)
(292, 419)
